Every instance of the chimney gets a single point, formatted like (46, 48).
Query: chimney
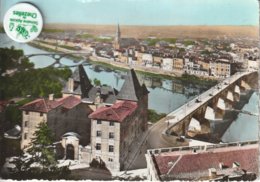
(170, 164)
(51, 96)
(221, 164)
(194, 151)
(70, 85)
(212, 172)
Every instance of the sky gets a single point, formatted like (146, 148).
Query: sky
(145, 12)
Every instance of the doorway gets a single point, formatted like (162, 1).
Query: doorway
(70, 152)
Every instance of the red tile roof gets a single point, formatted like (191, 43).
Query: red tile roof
(70, 102)
(202, 161)
(45, 105)
(117, 112)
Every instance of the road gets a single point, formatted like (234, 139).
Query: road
(194, 104)
(111, 61)
(155, 138)
(158, 139)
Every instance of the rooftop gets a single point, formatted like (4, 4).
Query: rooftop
(117, 112)
(131, 89)
(81, 85)
(194, 162)
(46, 105)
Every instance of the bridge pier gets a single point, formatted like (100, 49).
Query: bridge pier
(210, 113)
(244, 85)
(237, 93)
(220, 108)
(199, 119)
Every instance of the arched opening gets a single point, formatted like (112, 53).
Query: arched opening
(70, 152)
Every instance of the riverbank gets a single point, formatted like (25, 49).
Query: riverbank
(53, 50)
(110, 63)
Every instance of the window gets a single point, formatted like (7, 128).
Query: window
(25, 136)
(41, 114)
(98, 146)
(111, 135)
(111, 123)
(110, 159)
(99, 133)
(99, 122)
(25, 123)
(26, 112)
(111, 148)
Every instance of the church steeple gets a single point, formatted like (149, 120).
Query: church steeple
(117, 38)
(118, 33)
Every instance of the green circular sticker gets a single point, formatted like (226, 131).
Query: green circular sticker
(23, 22)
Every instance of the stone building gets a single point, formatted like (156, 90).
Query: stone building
(63, 115)
(115, 129)
(69, 113)
(178, 63)
(91, 122)
(221, 68)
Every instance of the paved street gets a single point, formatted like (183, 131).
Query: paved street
(155, 138)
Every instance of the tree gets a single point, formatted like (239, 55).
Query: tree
(11, 59)
(97, 82)
(41, 147)
(25, 80)
(40, 162)
(153, 116)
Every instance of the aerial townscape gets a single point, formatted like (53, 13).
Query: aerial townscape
(121, 102)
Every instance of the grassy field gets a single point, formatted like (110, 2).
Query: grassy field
(163, 31)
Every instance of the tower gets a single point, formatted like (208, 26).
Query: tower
(117, 38)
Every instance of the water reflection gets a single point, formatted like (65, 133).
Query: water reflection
(165, 95)
(248, 123)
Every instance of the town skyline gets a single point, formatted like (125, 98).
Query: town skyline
(119, 90)
(132, 12)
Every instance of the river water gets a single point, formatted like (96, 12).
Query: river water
(164, 97)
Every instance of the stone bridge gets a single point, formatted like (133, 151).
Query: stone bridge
(193, 118)
(58, 56)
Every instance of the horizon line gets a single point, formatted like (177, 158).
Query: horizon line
(147, 25)
(255, 25)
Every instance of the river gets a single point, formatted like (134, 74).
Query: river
(165, 95)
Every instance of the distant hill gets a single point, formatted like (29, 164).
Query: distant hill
(164, 31)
